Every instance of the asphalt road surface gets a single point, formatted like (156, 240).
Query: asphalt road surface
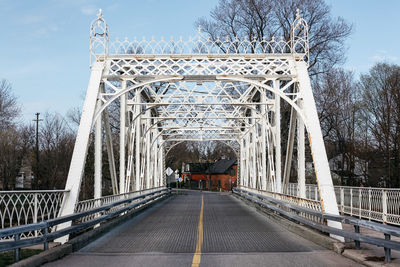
(202, 229)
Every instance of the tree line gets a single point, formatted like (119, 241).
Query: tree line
(17, 145)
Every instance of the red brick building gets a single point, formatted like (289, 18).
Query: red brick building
(221, 175)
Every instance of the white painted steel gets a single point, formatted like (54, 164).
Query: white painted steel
(89, 204)
(301, 155)
(320, 159)
(122, 137)
(98, 155)
(110, 153)
(25, 207)
(377, 204)
(278, 155)
(78, 160)
(199, 90)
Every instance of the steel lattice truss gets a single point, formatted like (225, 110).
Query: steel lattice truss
(224, 90)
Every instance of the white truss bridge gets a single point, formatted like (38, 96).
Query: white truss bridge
(166, 92)
(225, 90)
(198, 89)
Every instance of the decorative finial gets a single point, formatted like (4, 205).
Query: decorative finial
(100, 14)
(297, 13)
(199, 29)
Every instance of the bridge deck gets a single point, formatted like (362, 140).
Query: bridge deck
(233, 234)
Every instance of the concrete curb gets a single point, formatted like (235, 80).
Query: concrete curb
(46, 256)
(359, 256)
(80, 241)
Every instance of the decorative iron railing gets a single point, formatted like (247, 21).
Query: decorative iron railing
(19, 208)
(302, 202)
(372, 203)
(293, 200)
(26, 207)
(198, 45)
(297, 43)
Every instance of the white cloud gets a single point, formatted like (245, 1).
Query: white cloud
(383, 55)
(377, 58)
(89, 10)
(42, 31)
(31, 19)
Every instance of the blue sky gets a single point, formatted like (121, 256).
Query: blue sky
(44, 45)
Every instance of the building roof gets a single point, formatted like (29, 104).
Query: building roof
(221, 166)
(199, 167)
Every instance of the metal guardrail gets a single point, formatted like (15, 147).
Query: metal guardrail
(106, 210)
(372, 203)
(89, 204)
(295, 212)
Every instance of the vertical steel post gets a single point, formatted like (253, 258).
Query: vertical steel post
(359, 203)
(388, 257)
(342, 200)
(147, 139)
(263, 140)
(253, 151)
(351, 201)
(35, 211)
(110, 153)
(122, 139)
(289, 151)
(160, 167)
(248, 160)
(241, 178)
(97, 155)
(163, 166)
(137, 141)
(46, 242)
(369, 204)
(155, 160)
(278, 163)
(384, 206)
(17, 250)
(301, 176)
(357, 242)
(110, 150)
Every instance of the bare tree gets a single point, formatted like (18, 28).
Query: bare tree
(192, 151)
(381, 105)
(9, 109)
(182, 153)
(339, 104)
(336, 95)
(258, 19)
(57, 142)
(10, 145)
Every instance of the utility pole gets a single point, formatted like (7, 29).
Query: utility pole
(37, 149)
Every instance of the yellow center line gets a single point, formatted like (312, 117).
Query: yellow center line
(197, 254)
